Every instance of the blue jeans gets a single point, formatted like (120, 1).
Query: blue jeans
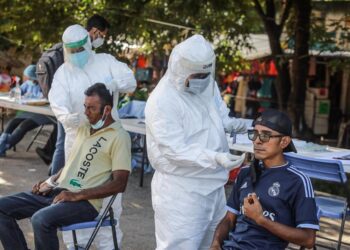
(58, 156)
(45, 217)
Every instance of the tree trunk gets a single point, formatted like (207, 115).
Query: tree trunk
(300, 61)
(283, 84)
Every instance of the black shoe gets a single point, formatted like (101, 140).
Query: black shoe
(47, 159)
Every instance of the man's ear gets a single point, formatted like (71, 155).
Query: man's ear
(108, 110)
(285, 141)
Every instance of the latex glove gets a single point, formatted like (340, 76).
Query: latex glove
(229, 161)
(125, 83)
(236, 125)
(73, 120)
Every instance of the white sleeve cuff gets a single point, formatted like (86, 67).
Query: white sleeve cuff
(232, 210)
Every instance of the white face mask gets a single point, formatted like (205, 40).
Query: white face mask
(99, 124)
(197, 86)
(97, 42)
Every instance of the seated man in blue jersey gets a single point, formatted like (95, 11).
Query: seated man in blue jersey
(272, 203)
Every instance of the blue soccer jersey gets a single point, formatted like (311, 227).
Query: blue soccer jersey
(286, 196)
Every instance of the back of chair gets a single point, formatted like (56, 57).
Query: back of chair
(323, 169)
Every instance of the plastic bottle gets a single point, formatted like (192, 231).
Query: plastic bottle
(17, 94)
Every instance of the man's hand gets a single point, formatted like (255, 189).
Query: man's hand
(66, 196)
(41, 188)
(36, 187)
(252, 208)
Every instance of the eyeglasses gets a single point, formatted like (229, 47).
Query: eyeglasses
(263, 137)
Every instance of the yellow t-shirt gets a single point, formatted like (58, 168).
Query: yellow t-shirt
(94, 157)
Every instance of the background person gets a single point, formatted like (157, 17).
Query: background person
(272, 203)
(17, 127)
(186, 144)
(98, 27)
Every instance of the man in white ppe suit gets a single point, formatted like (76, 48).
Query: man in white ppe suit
(81, 69)
(186, 121)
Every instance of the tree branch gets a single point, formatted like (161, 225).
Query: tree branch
(286, 12)
(259, 9)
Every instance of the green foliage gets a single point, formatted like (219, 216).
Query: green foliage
(225, 23)
(29, 25)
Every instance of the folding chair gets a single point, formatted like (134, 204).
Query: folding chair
(327, 170)
(101, 221)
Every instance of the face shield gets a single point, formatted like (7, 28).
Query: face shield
(76, 46)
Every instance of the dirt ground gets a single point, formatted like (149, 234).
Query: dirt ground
(20, 170)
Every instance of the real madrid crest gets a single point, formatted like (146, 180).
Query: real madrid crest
(274, 190)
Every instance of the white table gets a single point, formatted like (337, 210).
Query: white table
(6, 102)
(131, 125)
(134, 125)
(138, 126)
(244, 145)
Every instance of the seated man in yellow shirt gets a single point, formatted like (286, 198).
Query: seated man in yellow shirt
(98, 166)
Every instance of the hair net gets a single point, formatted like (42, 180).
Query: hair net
(30, 72)
(74, 37)
(194, 55)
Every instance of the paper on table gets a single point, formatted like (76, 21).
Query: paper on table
(35, 101)
(327, 155)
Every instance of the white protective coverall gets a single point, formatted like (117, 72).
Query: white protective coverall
(185, 132)
(67, 97)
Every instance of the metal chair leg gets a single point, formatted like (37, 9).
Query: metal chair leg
(144, 155)
(342, 227)
(34, 138)
(114, 232)
(75, 240)
(2, 118)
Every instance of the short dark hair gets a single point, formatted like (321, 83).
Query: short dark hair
(98, 22)
(102, 92)
(279, 122)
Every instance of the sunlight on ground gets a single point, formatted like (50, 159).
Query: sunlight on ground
(135, 205)
(4, 182)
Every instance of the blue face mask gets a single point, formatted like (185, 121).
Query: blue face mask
(79, 59)
(197, 86)
(99, 124)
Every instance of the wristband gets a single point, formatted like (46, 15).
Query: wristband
(51, 183)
